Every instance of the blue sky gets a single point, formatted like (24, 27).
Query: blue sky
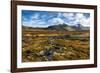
(47, 18)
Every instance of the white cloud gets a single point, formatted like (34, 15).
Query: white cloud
(34, 24)
(59, 15)
(79, 15)
(24, 18)
(85, 22)
(80, 18)
(43, 16)
(27, 23)
(34, 21)
(56, 21)
(35, 16)
(69, 16)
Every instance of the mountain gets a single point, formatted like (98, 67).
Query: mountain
(79, 27)
(65, 27)
(62, 27)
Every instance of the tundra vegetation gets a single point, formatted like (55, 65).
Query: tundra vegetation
(42, 44)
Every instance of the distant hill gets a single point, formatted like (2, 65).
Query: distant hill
(66, 27)
(61, 27)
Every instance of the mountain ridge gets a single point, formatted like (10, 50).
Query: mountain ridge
(62, 27)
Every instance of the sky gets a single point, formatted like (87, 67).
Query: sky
(47, 18)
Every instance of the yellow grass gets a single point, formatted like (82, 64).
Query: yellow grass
(68, 49)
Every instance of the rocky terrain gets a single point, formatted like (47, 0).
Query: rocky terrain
(55, 43)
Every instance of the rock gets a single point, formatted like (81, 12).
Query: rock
(41, 52)
(56, 47)
(69, 53)
(55, 53)
(58, 57)
(63, 54)
(28, 52)
(49, 52)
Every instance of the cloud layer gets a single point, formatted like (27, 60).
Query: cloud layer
(45, 19)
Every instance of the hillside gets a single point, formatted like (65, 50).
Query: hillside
(60, 27)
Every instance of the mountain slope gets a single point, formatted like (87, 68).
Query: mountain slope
(65, 27)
